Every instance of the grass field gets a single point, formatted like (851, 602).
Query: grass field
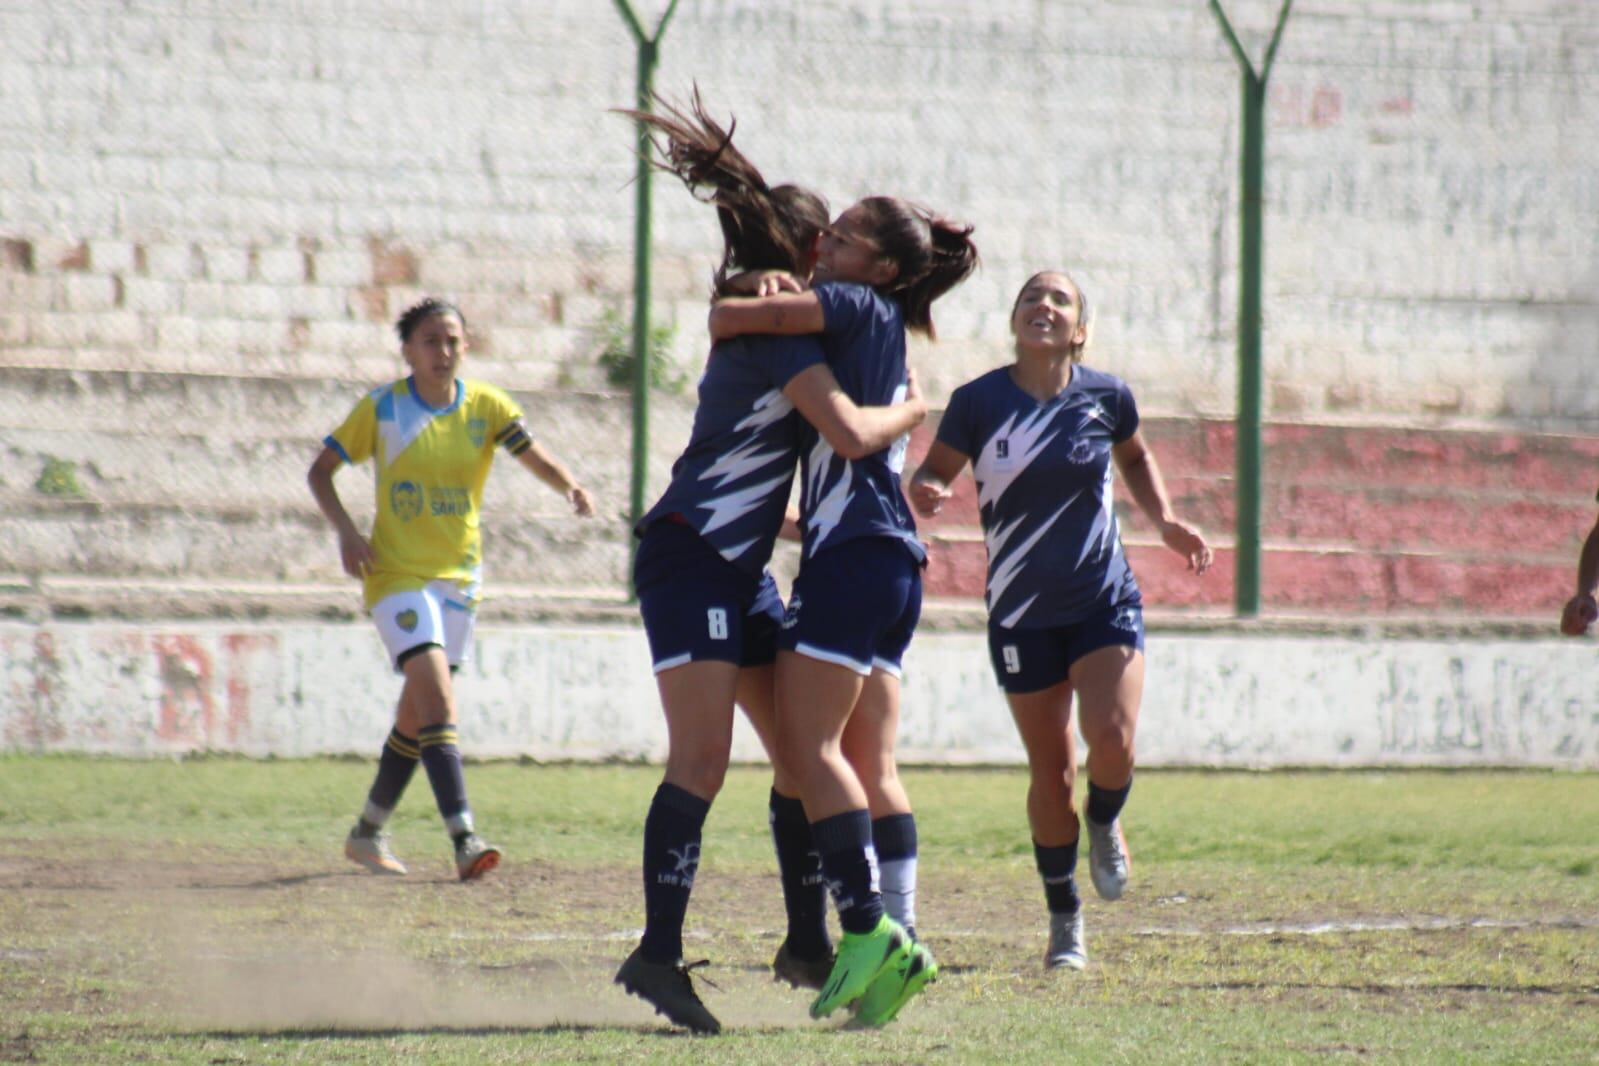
(200, 912)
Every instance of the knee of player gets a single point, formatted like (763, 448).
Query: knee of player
(702, 774)
(1112, 741)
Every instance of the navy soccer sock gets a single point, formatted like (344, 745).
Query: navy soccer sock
(800, 866)
(395, 767)
(442, 758)
(845, 842)
(1104, 804)
(671, 858)
(1057, 867)
(894, 838)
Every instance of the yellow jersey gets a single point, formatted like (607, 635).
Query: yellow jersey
(431, 464)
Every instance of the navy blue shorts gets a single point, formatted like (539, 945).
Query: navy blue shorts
(698, 606)
(856, 605)
(1030, 660)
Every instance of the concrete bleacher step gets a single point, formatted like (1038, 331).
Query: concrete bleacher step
(1550, 464)
(201, 476)
(261, 544)
(1300, 578)
(68, 597)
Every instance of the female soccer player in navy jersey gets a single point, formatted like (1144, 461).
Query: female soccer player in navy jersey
(711, 611)
(432, 438)
(1065, 614)
(857, 598)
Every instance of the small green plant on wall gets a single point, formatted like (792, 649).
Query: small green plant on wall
(59, 478)
(616, 354)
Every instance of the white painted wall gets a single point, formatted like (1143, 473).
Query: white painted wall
(587, 693)
(231, 186)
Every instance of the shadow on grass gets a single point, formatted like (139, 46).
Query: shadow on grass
(395, 1032)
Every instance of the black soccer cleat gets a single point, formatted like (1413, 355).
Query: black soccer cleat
(801, 972)
(668, 988)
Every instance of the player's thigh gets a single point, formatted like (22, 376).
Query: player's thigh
(697, 699)
(1044, 723)
(1107, 670)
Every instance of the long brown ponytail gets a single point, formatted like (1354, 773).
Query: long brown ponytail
(934, 254)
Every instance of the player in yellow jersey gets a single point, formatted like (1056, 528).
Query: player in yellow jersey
(432, 438)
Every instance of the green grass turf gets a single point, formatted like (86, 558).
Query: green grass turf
(200, 912)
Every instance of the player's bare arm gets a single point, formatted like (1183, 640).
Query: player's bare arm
(931, 484)
(1142, 473)
(849, 429)
(355, 551)
(549, 470)
(787, 313)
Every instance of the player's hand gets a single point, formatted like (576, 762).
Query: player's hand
(581, 501)
(1189, 542)
(773, 282)
(762, 283)
(928, 496)
(913, 394)
(355, 552)
(1580, 613)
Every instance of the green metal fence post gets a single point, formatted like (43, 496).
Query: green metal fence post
(649, 49)
(1250, 444)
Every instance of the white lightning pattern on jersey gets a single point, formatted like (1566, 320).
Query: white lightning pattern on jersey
(771, 408)
(1004, 572)
(826, 510)
(1026, 440)
(1105, 525)
(735, 505)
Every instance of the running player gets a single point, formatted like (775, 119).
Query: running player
(711, 611)
(432, 438)
(857, 598)
(1065, 613)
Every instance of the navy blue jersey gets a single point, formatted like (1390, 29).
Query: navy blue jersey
(732, 482)
(1044, 478)
(840, 499)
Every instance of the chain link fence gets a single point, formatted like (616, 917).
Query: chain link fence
(211, 213)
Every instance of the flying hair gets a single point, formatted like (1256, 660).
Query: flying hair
(764, 227)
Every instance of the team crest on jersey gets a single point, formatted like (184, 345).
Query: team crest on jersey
(405, 500)
(478, 430)
(1083, 453)
(406, 620)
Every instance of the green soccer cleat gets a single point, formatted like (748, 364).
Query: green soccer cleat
(861, 958)
(894, 988)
